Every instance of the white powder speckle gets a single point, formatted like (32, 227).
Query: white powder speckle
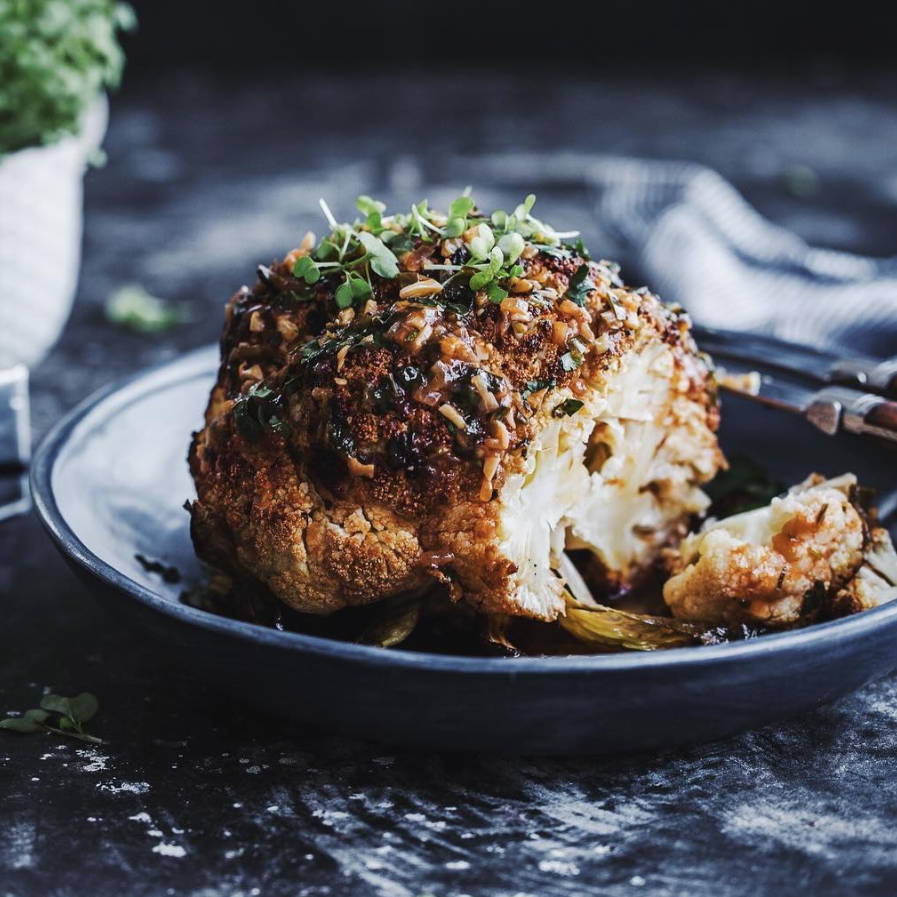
(415, 817)
(253, 770)
(637, 881)
(142, 816)
(457, 864)
(169, 850)
(94, 761)
(125, 787)
(154, 833)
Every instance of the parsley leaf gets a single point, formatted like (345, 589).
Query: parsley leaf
(532, 386)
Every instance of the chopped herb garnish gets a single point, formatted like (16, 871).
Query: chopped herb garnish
(258, 410)
(581, 250)
(580, 285)
(567, 407)
(532, 386)
(571, 360)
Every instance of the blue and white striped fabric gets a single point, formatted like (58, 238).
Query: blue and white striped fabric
(695, 240)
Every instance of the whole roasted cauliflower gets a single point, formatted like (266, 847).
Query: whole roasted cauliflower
(453, 397)
(812, 552)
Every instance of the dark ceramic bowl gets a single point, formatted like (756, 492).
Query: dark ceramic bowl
(109, 483)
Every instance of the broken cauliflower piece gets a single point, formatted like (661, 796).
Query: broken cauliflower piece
(397, 406)
(808, 553)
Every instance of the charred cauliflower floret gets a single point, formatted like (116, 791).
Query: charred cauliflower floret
(810, 552)
(451, 397)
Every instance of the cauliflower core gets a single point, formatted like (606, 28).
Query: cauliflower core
(809, 552)
(373, 430)
(618, 478)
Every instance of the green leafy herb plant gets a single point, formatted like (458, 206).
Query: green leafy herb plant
(56, 56)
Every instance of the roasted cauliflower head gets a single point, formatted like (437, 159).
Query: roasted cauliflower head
(812, 552)
(452, 397)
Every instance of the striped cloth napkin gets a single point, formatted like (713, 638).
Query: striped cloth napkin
(694, 239)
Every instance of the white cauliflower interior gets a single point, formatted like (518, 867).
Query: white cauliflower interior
(616, 478)
(774, 565)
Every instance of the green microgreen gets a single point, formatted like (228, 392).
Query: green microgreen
(461, 207)
(72, 714)
(382, 258)
(496, 293)
(511, 245)
(489, 271)
(368, 206)
(343, 296)
(306, 269)
(489, 253)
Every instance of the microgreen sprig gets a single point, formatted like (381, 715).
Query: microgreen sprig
(490, 247)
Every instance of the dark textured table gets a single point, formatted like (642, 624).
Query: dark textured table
(190, 795)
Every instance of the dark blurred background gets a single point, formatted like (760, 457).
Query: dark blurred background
(398, 37)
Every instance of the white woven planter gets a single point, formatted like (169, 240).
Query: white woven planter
(40, 239)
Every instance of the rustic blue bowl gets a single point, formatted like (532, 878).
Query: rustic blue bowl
(109, 483)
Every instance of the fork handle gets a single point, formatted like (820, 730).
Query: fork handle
(880, 378)
(882, 416)
(861, 412)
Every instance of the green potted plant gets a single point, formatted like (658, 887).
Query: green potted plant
(56, 59)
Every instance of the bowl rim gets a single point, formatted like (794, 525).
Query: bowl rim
(204, 360)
